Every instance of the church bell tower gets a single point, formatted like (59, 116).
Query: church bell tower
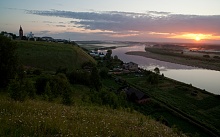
(20, 32)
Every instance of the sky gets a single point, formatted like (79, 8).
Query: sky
(187, 21)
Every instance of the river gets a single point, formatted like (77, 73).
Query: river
(208, 80)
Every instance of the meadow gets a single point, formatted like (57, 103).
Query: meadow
(41, 118)
(50, 56)
(192, 103)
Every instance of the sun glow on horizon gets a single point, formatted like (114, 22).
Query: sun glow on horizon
(197, 37)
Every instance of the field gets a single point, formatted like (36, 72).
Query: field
(190, 102)
(50, 56)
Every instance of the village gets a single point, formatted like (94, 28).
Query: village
(31, 37)
(117, 68)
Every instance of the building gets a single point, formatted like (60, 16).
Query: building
(20, 32)
(30, 35)
(8, 35)
(131, 66)
(48, 39)
(135, 95)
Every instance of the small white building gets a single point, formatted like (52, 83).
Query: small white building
(30, 35)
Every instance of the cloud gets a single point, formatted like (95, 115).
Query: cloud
(152, 22)
(44, 32)
(149, 21)
(60, 25)
(48, 22)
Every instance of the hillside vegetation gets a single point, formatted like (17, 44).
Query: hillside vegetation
(50, 56)
(40, 118)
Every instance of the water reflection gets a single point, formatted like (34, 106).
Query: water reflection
(146, 63)
(201, 78)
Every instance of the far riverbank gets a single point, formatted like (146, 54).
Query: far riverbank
(175, 59)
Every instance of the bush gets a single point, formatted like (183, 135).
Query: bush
(79, 77)
(103, 73)
(8, 61)
(216, 57)
(51, 87)
(61, 70)
(16, 92)
(59, 84)
(95, 79)
(104, 97)
(37, 72)
(67, 97)
(153, 79)
(41, 84)
(206, 56)
(30, 89)
(48, 94)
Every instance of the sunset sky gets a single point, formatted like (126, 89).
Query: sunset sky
(195, 21)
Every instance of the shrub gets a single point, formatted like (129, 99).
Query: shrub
(153, 79)
(48, 94)
(37, 72)
(30, 88)
(95, 79)
(206, 56)
(103, 73)
(8, 61)
(18, 90)
(67, 96)
(61, 70)
(59, 84)
(216, 57)
(79, 77)
(41, 83)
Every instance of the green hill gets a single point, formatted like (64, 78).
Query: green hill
(40, 118)
(49, 56)
(86, 115)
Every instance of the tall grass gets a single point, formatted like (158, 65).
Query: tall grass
(39, 118)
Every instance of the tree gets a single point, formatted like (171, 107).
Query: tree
(103, 73)
(153, 79)
(8, 61)
(95, 79)
(115, 57)
(157, 70)
(108, 54)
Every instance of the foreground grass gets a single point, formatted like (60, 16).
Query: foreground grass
(39, 118)
(50, 56)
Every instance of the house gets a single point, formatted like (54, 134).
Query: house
(8, 35)
(131, 66)
(49, 39)
(136, 95)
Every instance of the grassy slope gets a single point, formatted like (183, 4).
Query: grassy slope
(39, 118)
(49, 56)
(204, 107)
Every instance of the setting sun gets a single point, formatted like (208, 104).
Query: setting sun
(197, 38)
